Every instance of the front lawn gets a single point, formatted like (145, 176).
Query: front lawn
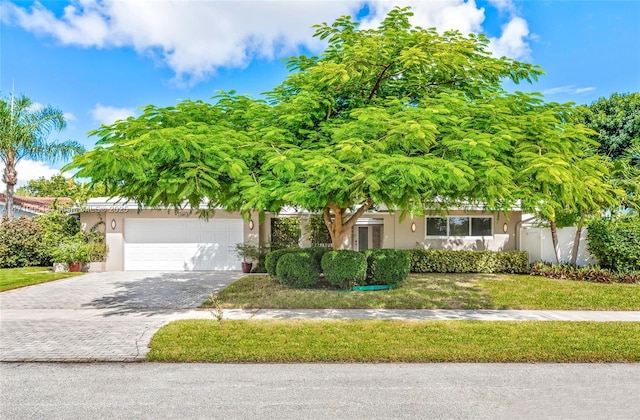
(13, 278)
(395, 341)
(440, 291)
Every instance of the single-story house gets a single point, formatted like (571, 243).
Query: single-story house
(161, 239)
(32, 206)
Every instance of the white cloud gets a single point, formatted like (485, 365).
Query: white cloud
(513, 41)
(107, 115)
(443, 15)
(68, 116)
(195, 38)
(31, 169)
(569, 89)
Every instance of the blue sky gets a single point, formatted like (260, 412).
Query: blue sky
(99, 60)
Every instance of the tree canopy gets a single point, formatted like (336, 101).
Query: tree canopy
(60, 186)
(24, 132)
(398, 115)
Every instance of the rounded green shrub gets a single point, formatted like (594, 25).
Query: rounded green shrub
(344, 268)
(297, 270)
(387, 266)
(271, 260)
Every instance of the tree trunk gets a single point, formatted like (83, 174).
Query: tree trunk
(576, 241)
(339, 226)
(554, 239)
(10, 177)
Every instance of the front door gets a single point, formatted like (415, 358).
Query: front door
(363, 238)
(368, 237)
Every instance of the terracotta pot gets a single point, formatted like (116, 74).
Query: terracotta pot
(246, 267)
(74, 267)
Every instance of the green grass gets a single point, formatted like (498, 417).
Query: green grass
(395, 341)
(13, 278)
(440, 291)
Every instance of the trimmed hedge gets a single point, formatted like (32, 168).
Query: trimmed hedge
(450, 261)
(344, 268)
(387, 266)
(297, 269)
(616, 243)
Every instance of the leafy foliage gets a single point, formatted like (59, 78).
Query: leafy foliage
(298, 270)
(317, 232)
(450, 261)
(344, 268)
(60, 186)
(593, 274)
(398, 115)
(387, 266)
(21, 243)
(616, 120)
(285, 232)
(616, 243)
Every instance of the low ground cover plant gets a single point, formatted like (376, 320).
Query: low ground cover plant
(591, 273)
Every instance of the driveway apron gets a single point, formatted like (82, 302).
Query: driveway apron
(98, 316)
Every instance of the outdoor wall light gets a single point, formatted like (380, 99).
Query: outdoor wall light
(505, 228)
(250, 224)
(113, 224)
(413, 226)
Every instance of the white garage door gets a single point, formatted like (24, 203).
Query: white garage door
(182, 244)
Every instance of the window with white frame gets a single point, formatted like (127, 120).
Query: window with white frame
(459, 226)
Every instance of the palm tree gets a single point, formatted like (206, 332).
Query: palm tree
(24, 132)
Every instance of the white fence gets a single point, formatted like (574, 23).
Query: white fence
(537, 242)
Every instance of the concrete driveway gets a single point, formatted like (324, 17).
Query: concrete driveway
(98, 316)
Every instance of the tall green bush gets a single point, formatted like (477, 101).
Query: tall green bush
(616, 243)
(21, 243)
(298, 270)
(344, 268)
(387, 266)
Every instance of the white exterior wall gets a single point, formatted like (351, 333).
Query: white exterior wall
(537, 242)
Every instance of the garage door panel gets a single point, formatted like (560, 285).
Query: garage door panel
(173, 244)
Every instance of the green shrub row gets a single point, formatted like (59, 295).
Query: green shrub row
(616, 243)
(592, 273)
(295, 267)
(450, 261)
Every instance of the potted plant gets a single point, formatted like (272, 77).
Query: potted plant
(248, 253)
(73, 252)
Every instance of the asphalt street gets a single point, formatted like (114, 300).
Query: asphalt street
(319, 391)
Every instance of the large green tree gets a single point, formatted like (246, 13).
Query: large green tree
(24, 132)
(397, 115)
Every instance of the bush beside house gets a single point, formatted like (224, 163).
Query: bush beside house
(450, 261)
(344, 268)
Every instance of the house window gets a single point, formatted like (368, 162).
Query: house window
(459, 226)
